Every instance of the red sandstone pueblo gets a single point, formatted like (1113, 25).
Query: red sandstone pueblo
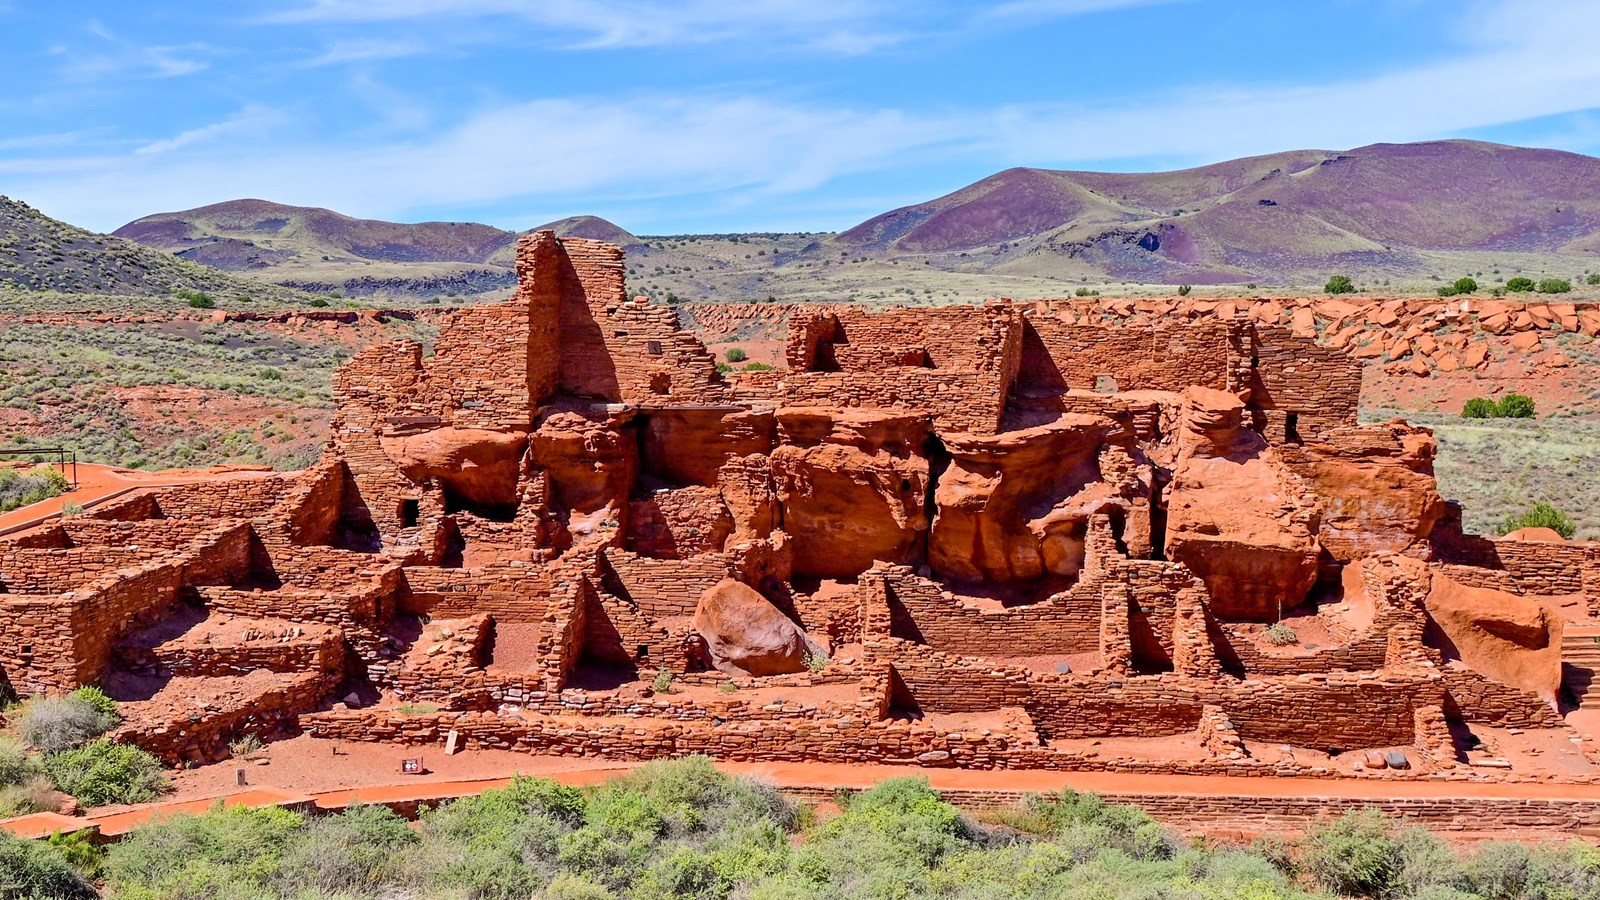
(983, 537)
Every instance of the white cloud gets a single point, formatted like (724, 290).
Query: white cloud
(116, 56)
(252, 118)
(707, 151)
(365, 50)
(845, 26)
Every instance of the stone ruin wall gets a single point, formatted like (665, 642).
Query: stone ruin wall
(641, 480)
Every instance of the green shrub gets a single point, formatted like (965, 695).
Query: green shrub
(1184, 289)
(662, 683)
(1355, 855)
(1281, 635)
(1480, 408)
(229, 852)
(53, 724)
(102, 703)
(1339, 284)
(1554, 286)
(1465, 285)
(1592, 279)
(1541, 515)
(1448, 290)
(34, 869)
(1520, 285)
(1515, 406)
(736, 354)
(354, 853)
(17, 765)
(35, 794)
(318, 302)
(101, 773)
(19, 488)
(759, 367)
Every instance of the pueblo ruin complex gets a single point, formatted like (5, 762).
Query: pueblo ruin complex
(981, 537)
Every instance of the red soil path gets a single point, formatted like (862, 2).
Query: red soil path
(97, 483)
(198, 790)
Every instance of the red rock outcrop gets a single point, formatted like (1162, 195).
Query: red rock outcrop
(1512, 639)
(1376, 487)
(1236, 516)
(853, 487)
(1016, 506)
(475, 464)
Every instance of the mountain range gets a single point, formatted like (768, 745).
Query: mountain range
(1389, 214)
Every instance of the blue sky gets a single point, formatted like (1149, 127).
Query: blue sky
(697, 116)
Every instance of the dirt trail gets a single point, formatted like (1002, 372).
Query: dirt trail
(97, 482)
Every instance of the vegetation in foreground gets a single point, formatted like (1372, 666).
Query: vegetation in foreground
(681, 829)
(19, 488)
(57, 744)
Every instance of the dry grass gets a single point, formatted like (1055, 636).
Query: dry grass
(1500, 467)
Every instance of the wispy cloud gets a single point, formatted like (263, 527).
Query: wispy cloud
(113, 55)
(697, 150)
(251, 118)
(361, 50)
(832, 25)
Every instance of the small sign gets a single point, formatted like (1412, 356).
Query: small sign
(411, 766)
(240, 775)
(452, 743)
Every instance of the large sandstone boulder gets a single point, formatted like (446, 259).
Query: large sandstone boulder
(745, 634)
(479, 466)
(1236, 516)
(1512, 639)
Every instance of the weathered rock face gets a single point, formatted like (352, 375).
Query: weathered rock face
(477, 465)
(1376, 487)
(590, 464)
(1235, 515)
(689, 446)
(745, 634)
(1512, 639)
(853, 488)
(1015, 506)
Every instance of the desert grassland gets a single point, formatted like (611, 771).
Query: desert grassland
(173, 393)
(1500, 467)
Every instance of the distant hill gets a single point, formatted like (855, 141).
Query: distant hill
(321, 250)
(1392, 216)
(592, 227)
(42, 254)
(1264, 217)
(258, 234)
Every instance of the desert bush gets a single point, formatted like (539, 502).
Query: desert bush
(246, 747)
(1515, 406)
(1592, 279)
(1281, 635)
(17, 765)
(229, 853)
(1520, 285)
(101, 701)
(662, 683)
(1339, 284)
(34, 794)
(1356, 855)
(1184, 289)
(1554, 286)
(71, 509)
(101, 773)
(351, 854)
(34, 869)
(53, 724)
(759, 367)
(318, 302)
(1540, 515)
(1480, 408)
(19, 488)
(1465, 285)
(736, 354)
